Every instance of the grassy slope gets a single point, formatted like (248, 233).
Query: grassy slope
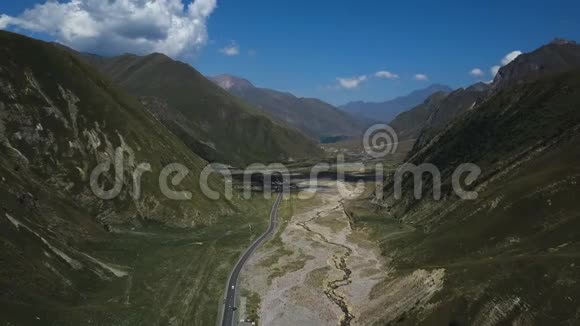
(519, 239)
(237, 133)
(174, 275)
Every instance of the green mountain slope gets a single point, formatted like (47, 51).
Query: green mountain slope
(69, 258)
(313, 117)
(511, 254)
(60, 118)
(210, 121)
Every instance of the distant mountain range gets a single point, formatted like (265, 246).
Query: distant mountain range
(315, 118)
(388, 110)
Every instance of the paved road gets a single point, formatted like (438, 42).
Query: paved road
(230, 299)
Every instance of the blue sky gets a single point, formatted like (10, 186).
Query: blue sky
(304, 46)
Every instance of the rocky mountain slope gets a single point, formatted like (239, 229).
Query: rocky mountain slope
(313, 117)
(69, 257)
(213, 123)
(510, 253)
(388, 110)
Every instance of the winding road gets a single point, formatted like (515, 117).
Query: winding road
(228, 317)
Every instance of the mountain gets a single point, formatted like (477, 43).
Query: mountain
(387, 111)
(213, 123)
(509, 254)
(67, 255)
(314, 117)
(558, 56)
(410, 124)
(426, 120)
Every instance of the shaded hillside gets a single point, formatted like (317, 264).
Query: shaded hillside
(510, 255)
(410, 124)
(388, 110)
(424, 121)
(210, 121)
(314, 117)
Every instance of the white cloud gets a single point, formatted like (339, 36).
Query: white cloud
(494, 70)
(115, 27)
(386, 74)
(353, 82)
(4, 21)
(231, 50)
(510, 57)
(421, 77)
(476, 72)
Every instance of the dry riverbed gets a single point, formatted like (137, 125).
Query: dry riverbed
(318, 271)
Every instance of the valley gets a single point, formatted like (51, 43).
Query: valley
(309, 273)
(135, 189)
(322, 269)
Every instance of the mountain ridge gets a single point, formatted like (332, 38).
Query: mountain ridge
(387, 110)
(426, 120)
(208, 119)
(558, 56)
(314, 117)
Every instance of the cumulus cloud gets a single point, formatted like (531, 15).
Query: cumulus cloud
(118, 26)
(4, 21)
(231, 50)
(352, 82)
(386, 74)
(476, 72)
(421, 77)
(494, 70)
